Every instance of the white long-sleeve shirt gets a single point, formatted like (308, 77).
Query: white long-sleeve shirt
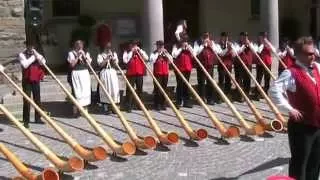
(178, 31)
(104, 56)
(283, 54)
(154, 56)
(284, 83)
(26, 62)
(177, 51)
(259, 48)
(128, 55)
(199, 48)
(223, 52)
(72, 56)
(240, 48)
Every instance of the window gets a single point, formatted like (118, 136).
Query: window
(255, 8)
(66, 7)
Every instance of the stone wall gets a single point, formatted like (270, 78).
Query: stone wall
(12, 28)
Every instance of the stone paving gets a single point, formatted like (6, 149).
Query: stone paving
(242, 158)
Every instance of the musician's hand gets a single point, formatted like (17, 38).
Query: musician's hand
(247, 42)
(295, 115)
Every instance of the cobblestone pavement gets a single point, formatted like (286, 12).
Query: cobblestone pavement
(242, 158)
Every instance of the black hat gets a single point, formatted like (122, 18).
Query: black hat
(224, 34)
(264, 34)
(244, 34)
(159, 43)
(135, 42)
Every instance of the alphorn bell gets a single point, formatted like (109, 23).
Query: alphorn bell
(199, 134)
(46, 174)
(250, 130)
(96, 154)
(276, 55)
(275, 123)
(232, 131)
(261, 62)
(127, 148)
(73, 164)
(166, 138)
(147, 142)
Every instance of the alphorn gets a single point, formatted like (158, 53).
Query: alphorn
(277, 56)
(261, 62)
(166, 138)
(274, 109)
(127, 148)
(148, 142)
(25, 172)
(232, 131)
(199, 134)
(73, 164)
(250, 130)
(274, 125)
(96, 154)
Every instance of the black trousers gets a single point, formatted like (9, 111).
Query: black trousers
(33, 87)
(182, 91)
(135, 81)
(158, 97)
(205, 88)
(224, 79)
(262, 73)
(242, 77)
(304, 141)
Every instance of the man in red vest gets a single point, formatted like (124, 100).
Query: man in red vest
(297, 91)
(160, 61)
(286, 53)
(135, 70)
(32, 74)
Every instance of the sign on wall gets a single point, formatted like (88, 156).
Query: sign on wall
(126, 27)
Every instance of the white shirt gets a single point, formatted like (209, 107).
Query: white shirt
(259, 48)
(128, 55)
(199, 48)
(177, 51)
(72, 57)
(223, 52)
(104, 56)
(240, 48)
(284, 83)
(154, 56)
(26, 62)
(284, 53)
(178, 31)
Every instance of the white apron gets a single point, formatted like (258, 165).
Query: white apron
(110, 81)
(81, 82)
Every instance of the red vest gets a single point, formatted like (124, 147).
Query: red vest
(227, 60)
(34, 73)
(266, 56)
(306, 99)
(184, 61)
(161, 66)
(207, 58)
(247, 56)
(288, 61)
(135, 66)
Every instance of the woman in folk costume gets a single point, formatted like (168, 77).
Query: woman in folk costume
(135, 70)
(286, 53)
(181, 52)
(80, 76)
(108, 75)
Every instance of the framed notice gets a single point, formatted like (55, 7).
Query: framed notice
(126, 27)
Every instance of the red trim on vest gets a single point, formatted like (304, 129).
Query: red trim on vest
(161, 66)
(135, 66)
(306, 99)
(34, 73)
(184, 61)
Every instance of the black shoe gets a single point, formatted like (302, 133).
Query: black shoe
(210, 102)
(39, 122)
(26, 125)
(187, 105)
(157, 107)
(163, 107)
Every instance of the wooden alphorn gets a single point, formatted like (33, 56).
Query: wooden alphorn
(193, 134)
(279, 118)
(274, 125)
(170, 137)
(250, 130)
(232, 131)
(148, 142)
(127, 148)
(25, 172)
(71, 165)
(276, 55)
(96, 154)
(261, 62)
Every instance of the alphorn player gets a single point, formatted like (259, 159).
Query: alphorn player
(135, 70)
(32, 74)
(297, 91)
(205, 48)
(264, 51)
(183, 59)
(286, 53)
(243, 78)
(181, 30)
(226, 53)
(160, 61)
(81, 81)
(108, 75)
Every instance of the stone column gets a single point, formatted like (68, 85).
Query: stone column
(152, 22)
(270, 22)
